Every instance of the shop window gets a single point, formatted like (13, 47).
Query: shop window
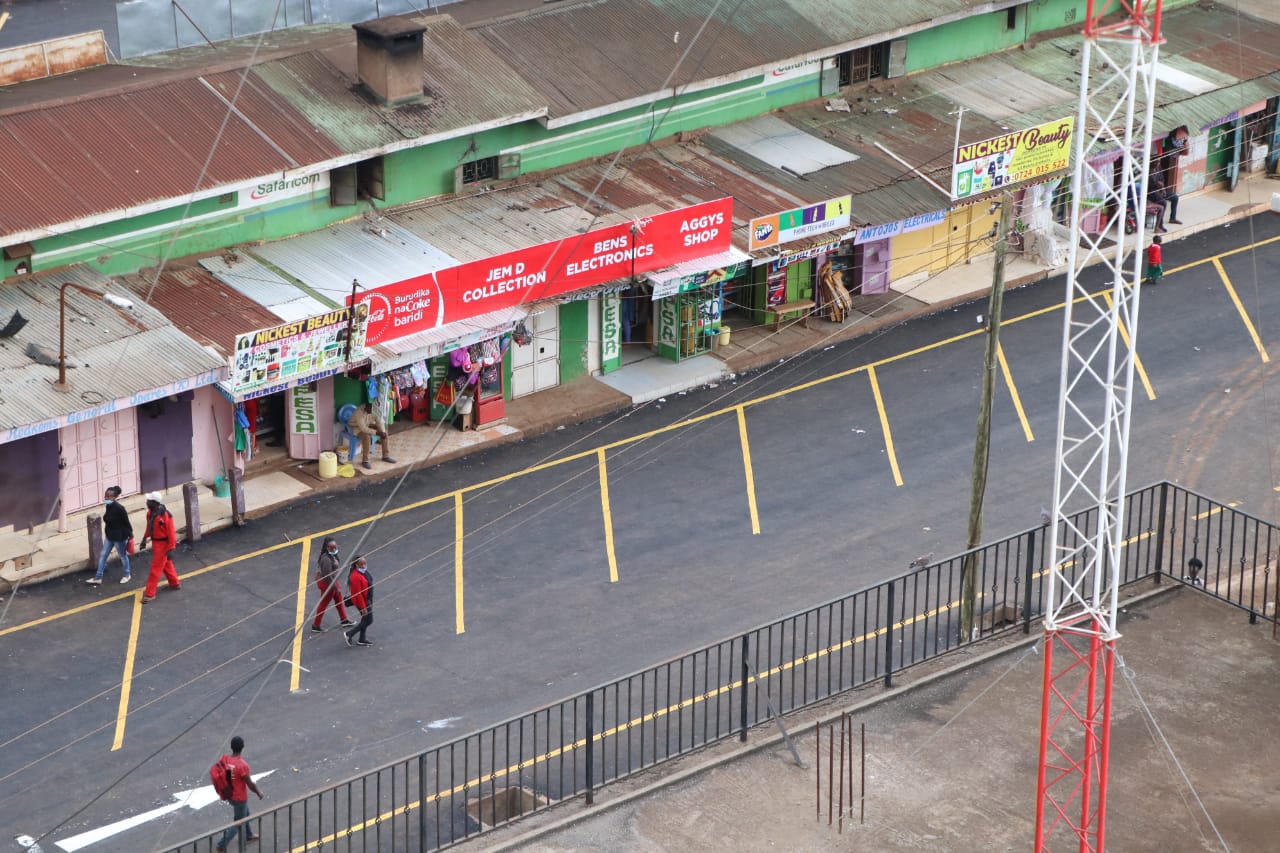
(486, 170)
(863, 64)
(363, 180)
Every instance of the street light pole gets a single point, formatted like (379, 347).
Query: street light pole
(110, 299)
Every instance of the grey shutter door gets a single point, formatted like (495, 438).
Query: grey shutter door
(830, 83)
(342, 186)
(897, 58)
(508, 166)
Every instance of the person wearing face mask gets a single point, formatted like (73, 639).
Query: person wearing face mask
(116, 531)
(327, 581)
(360, 585)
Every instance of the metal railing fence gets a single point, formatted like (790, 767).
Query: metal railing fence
(452, 792)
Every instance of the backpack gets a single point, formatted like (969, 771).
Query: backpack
(220, 776)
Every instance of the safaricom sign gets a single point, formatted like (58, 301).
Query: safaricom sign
(555, 268)
(276, 188)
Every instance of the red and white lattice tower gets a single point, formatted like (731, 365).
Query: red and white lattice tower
(1117, 92)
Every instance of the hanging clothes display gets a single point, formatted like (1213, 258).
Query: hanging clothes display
(385, 403)
(242, 436)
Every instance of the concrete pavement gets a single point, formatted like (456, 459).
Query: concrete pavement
(952, 752)
(42, 553)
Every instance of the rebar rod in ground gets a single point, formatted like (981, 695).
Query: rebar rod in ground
(831, 764)
(862, 817)
(840, 822)
(849, 720)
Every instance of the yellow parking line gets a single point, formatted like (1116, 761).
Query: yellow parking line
(1137, 359)
(608, 519)
(1030, 315)
(460, 625)
(1244, 315)
(884, 425)
(1013, 392)
(126, 680)
(299, 615)
(475, 783)
(61, 614)
(746, 468)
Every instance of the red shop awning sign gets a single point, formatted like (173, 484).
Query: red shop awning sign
(549, 269)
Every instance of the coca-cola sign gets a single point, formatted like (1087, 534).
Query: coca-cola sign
(549, 269)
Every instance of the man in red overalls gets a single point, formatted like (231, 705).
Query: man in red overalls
(163, 536)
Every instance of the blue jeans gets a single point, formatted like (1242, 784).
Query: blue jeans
(240, 810)
(121, 545)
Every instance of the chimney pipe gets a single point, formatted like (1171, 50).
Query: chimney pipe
(389, 58)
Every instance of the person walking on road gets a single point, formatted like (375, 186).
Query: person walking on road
(327, 581)
(116, 533)
(163, 535)
(366, 424)
(241, 784)
(1155, 262)
(360, 588)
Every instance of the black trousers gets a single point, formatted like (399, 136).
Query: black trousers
(366, 619)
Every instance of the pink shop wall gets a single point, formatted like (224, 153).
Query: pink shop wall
(211, 426)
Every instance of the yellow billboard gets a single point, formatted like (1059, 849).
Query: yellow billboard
(1015, 158)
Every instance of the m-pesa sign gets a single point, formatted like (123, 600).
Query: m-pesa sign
(550, 269)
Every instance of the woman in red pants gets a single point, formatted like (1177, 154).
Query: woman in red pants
(330, 589)
(164, 538)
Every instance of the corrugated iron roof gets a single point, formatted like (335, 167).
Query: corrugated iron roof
(111, 354)
(147, 140)
(264, 286)
(376, 252)
(497, 222)
(91, 157)
(593, 55)
(201, 306)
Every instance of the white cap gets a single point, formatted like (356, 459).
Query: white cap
(155, 496)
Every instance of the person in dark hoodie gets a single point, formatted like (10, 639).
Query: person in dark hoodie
(116, 533)
(327, 581)
(360, 590)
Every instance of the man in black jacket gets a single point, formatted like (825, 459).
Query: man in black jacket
(117, 531)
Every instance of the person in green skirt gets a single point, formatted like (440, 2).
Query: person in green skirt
(1155, 267)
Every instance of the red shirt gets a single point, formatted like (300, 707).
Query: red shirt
(359, 588)
(239, 777)
(1154, 254)
(160, 526)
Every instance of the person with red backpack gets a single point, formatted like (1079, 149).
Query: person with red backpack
(233, 782)
(164, 538)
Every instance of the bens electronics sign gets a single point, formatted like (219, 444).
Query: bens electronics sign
(550, 269)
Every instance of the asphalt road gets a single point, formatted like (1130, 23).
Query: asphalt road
(525, 611)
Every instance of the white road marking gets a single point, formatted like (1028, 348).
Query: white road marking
(194, 798)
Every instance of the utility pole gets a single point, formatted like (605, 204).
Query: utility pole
(982, 444)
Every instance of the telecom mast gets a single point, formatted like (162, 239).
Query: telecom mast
(1117, 92)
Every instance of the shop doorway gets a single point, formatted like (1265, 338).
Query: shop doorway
(536, 365)
(636, 309)
(164, 435)
(98, 453)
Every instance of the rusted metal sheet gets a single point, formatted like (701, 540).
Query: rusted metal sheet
(200, 305)
(591, 55)
(49, 58)
(111, 354)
